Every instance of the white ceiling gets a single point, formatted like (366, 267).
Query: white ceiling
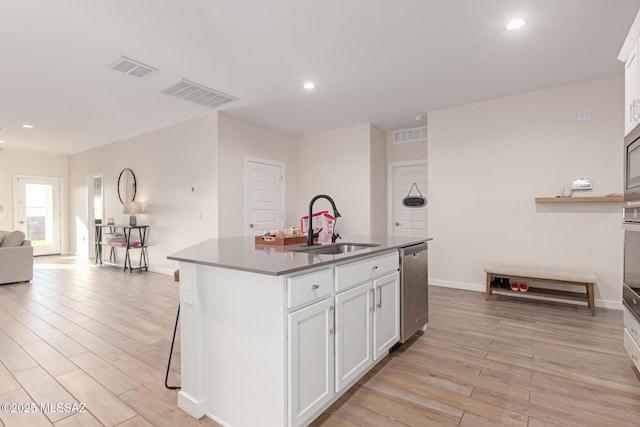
(378, 61)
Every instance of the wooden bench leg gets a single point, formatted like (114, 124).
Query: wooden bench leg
(488, 291)
(592, 305)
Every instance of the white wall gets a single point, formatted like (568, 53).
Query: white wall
(406, 151)
(167, 163)
(337, 163)
(36, 164)
(489, 160)
(378, 174)
(239, 138)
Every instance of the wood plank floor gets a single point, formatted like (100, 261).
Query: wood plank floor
(97, 335)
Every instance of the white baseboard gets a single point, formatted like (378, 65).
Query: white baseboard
(457, 285)
(615, 305)
(217, 420)
(191, 406)
(159, 270)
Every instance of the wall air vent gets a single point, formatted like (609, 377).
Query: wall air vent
(194, 92)
(410, 135)
(132, 67)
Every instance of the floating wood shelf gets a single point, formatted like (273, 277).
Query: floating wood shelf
(597, 199)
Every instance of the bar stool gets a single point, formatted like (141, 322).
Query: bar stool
(176, 278)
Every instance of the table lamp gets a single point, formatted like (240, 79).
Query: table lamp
(132, 208)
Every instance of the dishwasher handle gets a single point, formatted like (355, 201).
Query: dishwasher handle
(413, 249)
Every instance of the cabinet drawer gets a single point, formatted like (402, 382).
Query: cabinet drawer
(306, 288)
(351, 274)
(632, 348)
(632, 325)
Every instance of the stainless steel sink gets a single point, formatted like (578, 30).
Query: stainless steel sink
(335, 248)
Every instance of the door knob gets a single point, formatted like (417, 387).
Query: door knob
(21, 222)
(250, 225)
(397, 223)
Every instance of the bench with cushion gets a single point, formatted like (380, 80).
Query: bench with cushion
(16, 257)
(560, 276)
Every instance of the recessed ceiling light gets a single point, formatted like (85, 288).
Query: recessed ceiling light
(27, 126)
(419, 118)
(516, 24)
(2, 142)
(309, 85)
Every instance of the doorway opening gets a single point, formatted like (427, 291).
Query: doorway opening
(37, 212)
(95, 210)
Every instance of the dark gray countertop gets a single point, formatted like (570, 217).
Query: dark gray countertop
(242, 253)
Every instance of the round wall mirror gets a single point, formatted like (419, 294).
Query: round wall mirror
(126, 186)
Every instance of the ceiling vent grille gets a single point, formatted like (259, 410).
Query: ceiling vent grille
(194, 92)
(132, 67)
(410, 135)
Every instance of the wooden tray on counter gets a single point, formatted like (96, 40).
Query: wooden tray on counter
(280, 240)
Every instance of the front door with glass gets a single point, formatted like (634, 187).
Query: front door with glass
(37, 212)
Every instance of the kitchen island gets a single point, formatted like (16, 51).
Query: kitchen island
(271, 336)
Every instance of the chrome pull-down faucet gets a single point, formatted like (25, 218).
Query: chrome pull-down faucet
(336, 214)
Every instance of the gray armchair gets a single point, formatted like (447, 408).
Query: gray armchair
(16, 259)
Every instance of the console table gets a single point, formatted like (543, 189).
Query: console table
(120, 237)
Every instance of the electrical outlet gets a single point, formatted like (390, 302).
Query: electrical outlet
(584, 115)
(186, 292)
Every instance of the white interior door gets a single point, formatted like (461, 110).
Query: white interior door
(264, 196)
(37, 212)
(407, 221)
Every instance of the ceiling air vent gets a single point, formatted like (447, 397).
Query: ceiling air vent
(410, 135)
(194, 92)
(132, 67)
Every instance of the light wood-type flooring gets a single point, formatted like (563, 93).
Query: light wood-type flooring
(97, 335)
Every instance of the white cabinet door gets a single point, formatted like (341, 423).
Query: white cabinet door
(386, 317)
(632, 91)
(311, 360)
(353, 334)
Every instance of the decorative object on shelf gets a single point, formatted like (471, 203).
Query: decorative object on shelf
(97, 221)
(132, 208)
(292, 232)
(414, 201)
(110, 221)
(582, 184)
(566, 192)
(126, 186)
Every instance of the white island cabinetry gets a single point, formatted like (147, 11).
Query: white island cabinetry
(366, 328)
(278, 350)
(272, 337)
(386, 320)
(310, 343)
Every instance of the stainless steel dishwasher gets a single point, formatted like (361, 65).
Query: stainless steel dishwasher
(414, 290)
